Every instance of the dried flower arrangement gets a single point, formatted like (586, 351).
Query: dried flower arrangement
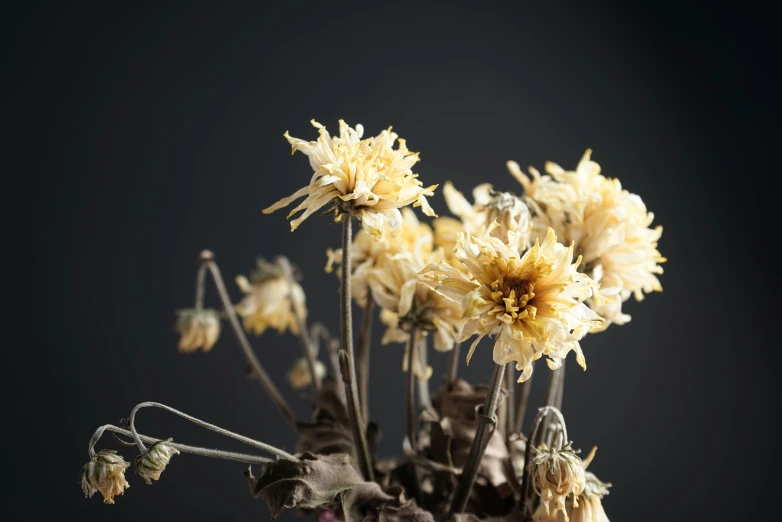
(505, 269)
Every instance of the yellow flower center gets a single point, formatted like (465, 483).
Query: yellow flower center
(517, 294)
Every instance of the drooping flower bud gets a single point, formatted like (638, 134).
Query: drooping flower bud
(151, 464)
(198, 329)
(105, 472)
(556, 475)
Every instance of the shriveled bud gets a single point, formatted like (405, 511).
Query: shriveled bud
(589, 507)
(105, 472)
(151, 464)
(556, 474)
(198, 329)
(512, 215)
(299, 375)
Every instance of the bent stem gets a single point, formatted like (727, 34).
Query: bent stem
(363, 357)
(201, 285)
(304, 337)
(554, 387)
(184, 448)
(487, 421)
(526, 501)
(244, 344)
(348, 368)
(217, 429)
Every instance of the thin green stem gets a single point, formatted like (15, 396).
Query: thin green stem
(486, 423)
(217, 429)
(244, 344)
(348, 368)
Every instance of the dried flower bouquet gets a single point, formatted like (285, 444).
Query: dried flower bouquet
(535, 272)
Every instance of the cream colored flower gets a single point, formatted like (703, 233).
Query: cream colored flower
(151, 464)
(408, 302)
(105, 472)
(299, 374)
(557, 474)
(366, 178)
(198, 329)
(269, 300)
(531, 304)
(608, 226)
(366, 253)
(507, 210)
(586, 507)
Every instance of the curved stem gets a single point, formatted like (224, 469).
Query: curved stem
(363, 356)
(217, 429)
(521, 403)
(244, 344)
(412, 436)
(347, 367)
(453, 363)
(486, 424)
(184, 448)
(525, 480)
(555, 382)
(201, 285)
(304, 338)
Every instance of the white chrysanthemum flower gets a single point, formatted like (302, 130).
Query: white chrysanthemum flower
(105, 472)
(366, 253)
(366, 178)
(299, 375)
(586, 507)
(608, 226)
(269, 300)
(151, 464)
(506, 209)
(407, 301)
(531, 304)
(198, 329)
(557, 474)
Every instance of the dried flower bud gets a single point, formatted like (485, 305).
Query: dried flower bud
(105, 472)
(557, 474)
(299, 374)
(512, 215)
(151, 464)
(589, 508)
(198, 329)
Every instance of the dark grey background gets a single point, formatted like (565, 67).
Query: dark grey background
(137, 134)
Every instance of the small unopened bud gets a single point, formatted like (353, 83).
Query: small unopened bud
(299, 375)
(105, 472)
(198, 329)
(556, 475)
(151, 464)
(512, 215)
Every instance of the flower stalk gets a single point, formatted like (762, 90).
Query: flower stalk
(207, 259)
(510, 412)
(527, 500)
(487, 422)
(304, 337)
(521, 403)
(364, 342)
(453, 363)
(412, 434)
(347, 360)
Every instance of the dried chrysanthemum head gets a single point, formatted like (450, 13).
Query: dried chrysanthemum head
(367, 178)
(299, 375)
(105, 472)
(557, 474)
(198, 329)
(609, 227)
(366, 253)
(408, 302)
(269, 300)
(586, 507)
(151, 464)
(510, 213)
(531, 304)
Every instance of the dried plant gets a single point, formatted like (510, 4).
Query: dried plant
(535, 271)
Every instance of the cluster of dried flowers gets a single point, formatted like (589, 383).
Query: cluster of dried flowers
(535, 272)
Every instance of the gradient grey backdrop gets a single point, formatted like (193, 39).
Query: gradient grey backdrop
(138, 134)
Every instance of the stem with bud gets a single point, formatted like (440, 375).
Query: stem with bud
(217, 429)
(526, 501)
(184, 448)
(346, 357)
(487, 421)
(207, 258)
